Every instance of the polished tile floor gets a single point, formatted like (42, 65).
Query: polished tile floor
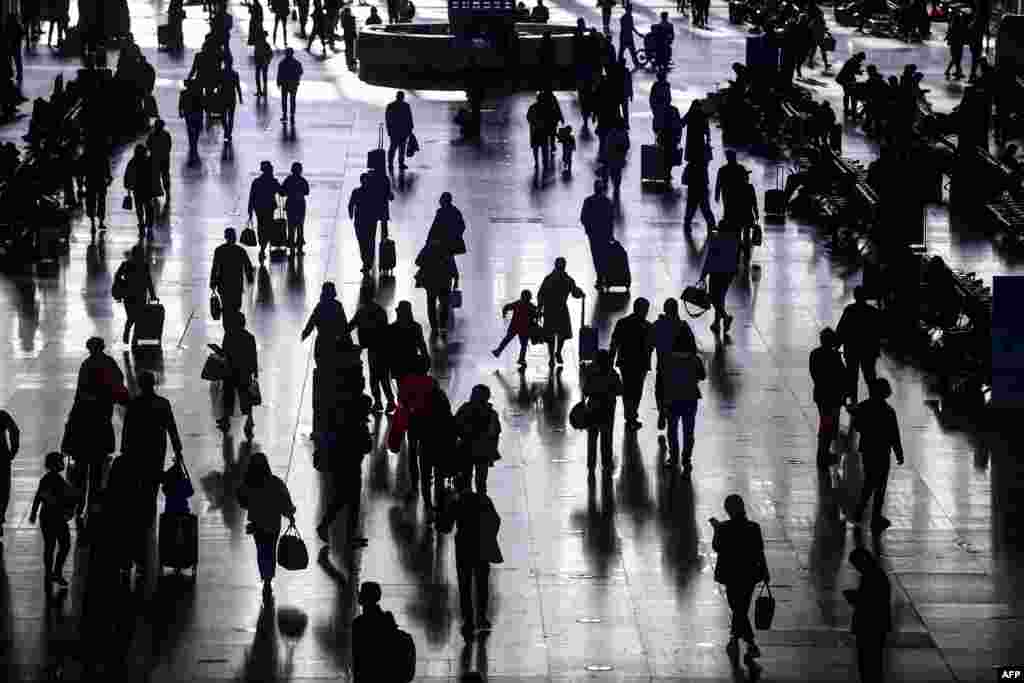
(608, 584)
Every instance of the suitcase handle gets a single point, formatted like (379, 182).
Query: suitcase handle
(380, 145)
(583, 311)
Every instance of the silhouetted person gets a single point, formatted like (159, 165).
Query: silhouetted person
(371, 324)
(190, 108)
(596, 216)
(231, 269)
(553, 307)
(369, 629)
(956, 38)
(431, 430)
(243, 369)
(90, 433)
(537, 121)
(681, 372)
(663, 34)
(159, 144)
(731, 175)
(263, 55)
(406, 345)
(398, 120)
(296, 189)
(134, 276)
(230, 88)
(363, 210)
(280, 10)
(438, 276)
(601, 386)
(289, 74)
(10, 442)
(57, 499)
(524, 316)
(720, 266)
(875, 421)
(265, 496)
(741, 566)
(303, 11)
(330, 322)
(829, 376)
(374, 18)
(476, 548)
(540, 14)
(616, 147)
(630, 350)
(479, 429)
(859, 331)
(872, 615)
(331, 9)
(263, 194)
(449, 226)
(140, 179)
(349, 34)
(664, 332)
(148, 424)
(627, 30)
(98, 177)
(847, 78)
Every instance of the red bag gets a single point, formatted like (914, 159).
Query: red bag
(119, 394)
(399, 425)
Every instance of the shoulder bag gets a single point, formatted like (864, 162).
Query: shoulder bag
(764, 608)
(698, 297)
(248, 237)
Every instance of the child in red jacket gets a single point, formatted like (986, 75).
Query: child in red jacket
(524, 313)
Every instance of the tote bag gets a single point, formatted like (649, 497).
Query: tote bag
(291, 551)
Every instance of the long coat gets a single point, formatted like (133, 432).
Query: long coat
(90, 430)
(553, 298)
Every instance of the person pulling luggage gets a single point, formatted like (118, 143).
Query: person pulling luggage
(239, 347)
(553, 307)
(597, 216)
(720, 266)
(133, 285)
(263, 194)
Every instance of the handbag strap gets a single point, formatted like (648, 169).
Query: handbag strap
(765, 587)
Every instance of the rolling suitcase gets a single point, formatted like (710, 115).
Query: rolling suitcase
(775, 200)
(149, 327)
(279, 231)
(654, 166)
(616, 267)
(376, 160)
(387, 258)
(588, 336)
(179, 541)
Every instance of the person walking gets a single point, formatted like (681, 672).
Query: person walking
(332, 8)
(256, 29)
(552, 306)
(280, 8)
(10, 442)
(524, 316)
(740, 567)
(601, 388)
(425, 410)
(57, 499)
(349, 33)
(479, 429)
(231, 270)
(289, 75)
(371, 324)
(597, 216)
(303, 11)
(956, 38)
(369, 629)
(731, 175)
(266, 499)
(875, 420)
(719, 269)
(698, 194)
(630, 350)
(98, 177)
(664, 333)
(263, 194)
(89, 434)
(449, 226)
(295, 189)
(319, 29)
(828, 373)
(135, 282)
(742, 213)
(438, 275)
(627, 29)
(872, 615)
(616, 148)
(536, 119)
(407, 347)
(363, 210)
(148, 424)
(263, 55)
(859, 331)
(139, 181)
(398, 120)
(331, 324)
(681, 372)
(190, 108)
(476, 548)
(239, 348)
(230, 88)
(159, 144)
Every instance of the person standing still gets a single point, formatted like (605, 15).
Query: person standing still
(829, 376)
(289, 74)
(875, 421)
(296, 189)
(230, 271)
(719, 269)
(630, 349)
(859, 331)
(369, 629)
(398, 119)
(740, 567)
(872, 615)
(159, 144)
(266, 498)
(10, 442)
(601, 388)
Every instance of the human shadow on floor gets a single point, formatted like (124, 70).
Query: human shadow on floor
(556, 400)
(8, 662)
(421, 554)
(263, 661)
(378, 480)
(295, 278)
(719, 370)
(634, 490)
(28, 311)
(600, 541)
(264, 287)
(677, 522)
(220, 487)
(828, 546)
(334, 633)
(169, 614)
(522, 395)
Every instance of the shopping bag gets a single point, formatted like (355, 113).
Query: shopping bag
(248, 237)
(255, 397)
(698, 297)
(764, 608)
(412, 146)
(291, 550)
(177, 482)
(579, 416)
(126, 203)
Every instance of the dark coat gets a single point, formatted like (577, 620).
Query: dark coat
(872, 609)
(596, 217)
(875, 421)
(552, 299)
(331, 324)
(231, 268)
(450, 228)
(148, 422)
(406, 345)
(859, 329)
(240, 348)
(398, 119)
(138, 281)
(369, 630)
(697, 133)
(139, 177)
(631, 347)
(602, 389)
(437, 268)
(476, 538)
(828, 372)
(740, 548)
(90, 431)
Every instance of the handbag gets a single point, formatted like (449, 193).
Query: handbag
(697, 296)
(215, 369)
(215, 307)
(295, 15)
(177, 482)
(764, 608)
(756, 235)
(291, 550)
(412, 145)
(538, 335)
(255, 397)
(579, 416)
(248, 237)
(455, 298)
(126, 203)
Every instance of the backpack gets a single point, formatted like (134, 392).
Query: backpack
(402, 656)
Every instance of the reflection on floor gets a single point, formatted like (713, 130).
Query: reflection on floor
(611, 582)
